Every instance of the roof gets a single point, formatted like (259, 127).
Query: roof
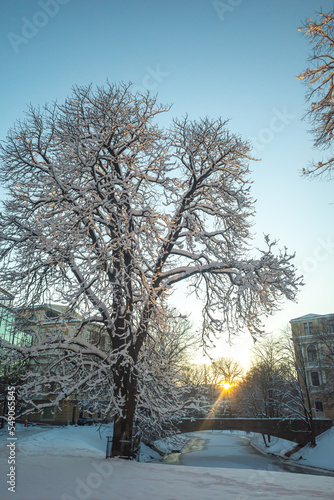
(58, 308)
(310, 316)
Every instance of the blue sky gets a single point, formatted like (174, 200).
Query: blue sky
(232, 58)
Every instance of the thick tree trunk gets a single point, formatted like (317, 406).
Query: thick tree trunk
(126, 385)
(122, 445)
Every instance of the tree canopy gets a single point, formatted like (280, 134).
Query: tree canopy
(320, 95)
(107, 212)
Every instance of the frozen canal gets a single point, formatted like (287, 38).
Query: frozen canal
(216, 449)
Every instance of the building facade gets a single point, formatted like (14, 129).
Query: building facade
(313, 339)
(29, 326)
(48, 320)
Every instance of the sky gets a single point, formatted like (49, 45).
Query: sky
(237, 59)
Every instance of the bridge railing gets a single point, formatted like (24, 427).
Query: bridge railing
(290, 429)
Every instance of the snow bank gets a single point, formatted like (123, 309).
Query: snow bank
(162, 447)
(173, 443)
(321, 456)
(146, 454)
(71, 441)
(276, 446)
(68, 441)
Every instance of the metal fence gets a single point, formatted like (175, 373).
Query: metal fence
(109, 446)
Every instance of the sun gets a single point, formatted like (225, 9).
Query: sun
(226, 386)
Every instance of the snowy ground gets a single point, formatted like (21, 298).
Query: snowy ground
(68, 464)
(322, 456)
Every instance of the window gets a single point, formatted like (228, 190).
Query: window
(308, 328)
(51, 314)
(311, 354)
(315, 380)
(318, 405)
(23, 338)
(48, 413)
(331, 325)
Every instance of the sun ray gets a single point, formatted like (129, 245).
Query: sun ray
(225, 387)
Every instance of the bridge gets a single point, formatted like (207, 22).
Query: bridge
(293, 430)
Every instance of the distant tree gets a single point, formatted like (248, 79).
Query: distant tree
(249, 397)
(260, 392)
(272, 364)
(319, 76)
(226, 370)
(173, 335)
(277, 383)
(200, 392)
(196, 374)
(163, 394)
(106, 212)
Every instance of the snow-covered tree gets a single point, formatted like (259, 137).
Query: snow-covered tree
(173, 335)
(196, 375)
(319, 77)
(260, 394)
(248, 398)
(107, 212)
(272, 365)
(277, 385)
